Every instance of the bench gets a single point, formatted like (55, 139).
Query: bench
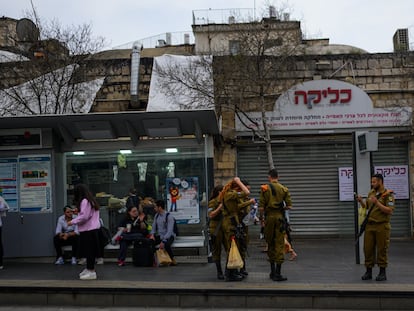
(195, 241)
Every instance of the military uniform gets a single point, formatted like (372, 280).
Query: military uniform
(216, 234)
(378, 229)
(272, 203)
(244, 209)
(231, 220)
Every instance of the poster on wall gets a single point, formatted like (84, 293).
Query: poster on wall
(346, 184)
(395, 178)
(35, 184)
(182, 199)
(8, 183)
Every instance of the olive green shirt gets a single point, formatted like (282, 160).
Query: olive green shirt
(385, 198)
(268, 200)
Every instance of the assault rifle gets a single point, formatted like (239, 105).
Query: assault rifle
(364, 223)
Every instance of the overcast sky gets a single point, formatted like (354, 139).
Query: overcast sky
(367, 24)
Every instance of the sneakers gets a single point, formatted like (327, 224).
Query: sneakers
(88, 275)
(83, 272)
(173, 262)
(99, 261)
(121, 263)
(82, 261)
(60, 261)
(73, 262)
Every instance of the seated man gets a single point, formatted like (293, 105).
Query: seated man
(163, 229)
(66, 235)
(133, 227)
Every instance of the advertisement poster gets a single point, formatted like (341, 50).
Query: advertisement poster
(395, 178)
(182, 199)
(35, 184)
(8, 183)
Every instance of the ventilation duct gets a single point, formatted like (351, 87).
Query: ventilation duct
(135, 63)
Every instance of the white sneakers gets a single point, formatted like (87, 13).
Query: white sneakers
(87, 275)
(60, 261)
(99, 261)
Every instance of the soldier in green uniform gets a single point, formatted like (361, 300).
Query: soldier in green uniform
(380, 203)
(230, 196)
(216, 229)
(274, 199)
(244, 209)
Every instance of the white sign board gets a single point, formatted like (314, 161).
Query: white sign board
(395, 178)
(325, 104)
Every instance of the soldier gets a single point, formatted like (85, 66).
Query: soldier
(274, 199)
(380, 204)
(244, 209)
(230, 196)
(215, 226)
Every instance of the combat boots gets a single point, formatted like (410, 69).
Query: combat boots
(232, 275)
(275, 273)
(381, 276)
(220, 275)
(367, 275)
(243, 271)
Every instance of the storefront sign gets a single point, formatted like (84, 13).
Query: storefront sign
(395, 178)
(325, 104)
(182, 199)
(35, 183)
(20, 139)
(8, 182)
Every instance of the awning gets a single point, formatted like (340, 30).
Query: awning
(108, 126)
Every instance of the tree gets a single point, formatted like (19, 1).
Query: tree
(54, 81)
(246, 73)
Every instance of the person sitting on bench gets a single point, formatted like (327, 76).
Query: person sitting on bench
(66, 235)
(134, 227)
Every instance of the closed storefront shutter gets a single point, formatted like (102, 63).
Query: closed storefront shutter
(309, 168)
(396, 153)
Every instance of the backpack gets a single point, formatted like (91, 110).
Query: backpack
(175, 228)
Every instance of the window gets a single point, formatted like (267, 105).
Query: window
(110, 175)
(234, 47)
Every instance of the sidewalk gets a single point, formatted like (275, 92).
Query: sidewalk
(323, 268)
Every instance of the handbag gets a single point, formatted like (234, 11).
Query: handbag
(162, 258)
(234, 261)
(104, 236)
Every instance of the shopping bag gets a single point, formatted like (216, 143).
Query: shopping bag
(235, 261)
(162, 258)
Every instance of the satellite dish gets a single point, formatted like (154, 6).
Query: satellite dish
(26, 30)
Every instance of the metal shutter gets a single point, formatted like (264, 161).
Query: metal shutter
(390, 153)
(309, 168)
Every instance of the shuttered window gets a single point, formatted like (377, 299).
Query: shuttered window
(309, 168)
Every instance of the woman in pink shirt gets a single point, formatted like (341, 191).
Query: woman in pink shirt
(88, 227)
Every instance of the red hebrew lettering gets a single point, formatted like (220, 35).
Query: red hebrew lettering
(318, 96)
(347, 92)
(336, 93)
(301, 93)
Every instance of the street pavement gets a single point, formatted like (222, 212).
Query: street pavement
(322, 266)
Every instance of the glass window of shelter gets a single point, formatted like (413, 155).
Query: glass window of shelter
(110, 175)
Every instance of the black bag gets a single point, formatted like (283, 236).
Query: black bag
(105, 236)
(143, 253)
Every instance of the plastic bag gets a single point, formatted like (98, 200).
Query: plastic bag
(162, 258)
(250, 218)
(235, 261)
